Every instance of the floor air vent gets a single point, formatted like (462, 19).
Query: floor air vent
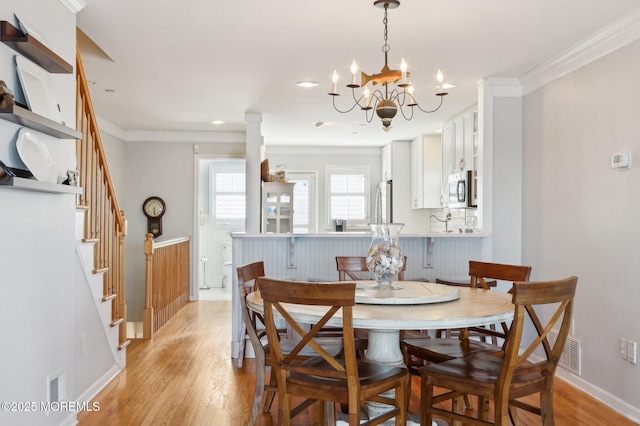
(571, 359)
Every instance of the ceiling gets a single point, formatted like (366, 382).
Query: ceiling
(162, 65)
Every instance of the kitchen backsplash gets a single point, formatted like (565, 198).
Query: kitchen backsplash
(462, 220)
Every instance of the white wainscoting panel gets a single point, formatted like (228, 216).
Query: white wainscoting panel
(312, 258)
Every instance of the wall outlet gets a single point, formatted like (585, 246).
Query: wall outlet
(623, 348)
(631, 351)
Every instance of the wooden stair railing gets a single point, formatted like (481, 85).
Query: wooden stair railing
(104, 221)
(166, 281)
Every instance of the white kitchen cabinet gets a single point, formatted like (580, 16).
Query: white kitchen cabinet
(277, 207)
(467, 146)
(459, 145)
(447, 157)
(387, 162)
(426, 172)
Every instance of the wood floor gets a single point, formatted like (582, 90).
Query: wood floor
(185, 376)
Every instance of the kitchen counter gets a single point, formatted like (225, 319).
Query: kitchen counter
(298, 248)
(311, 257)
(359, 234)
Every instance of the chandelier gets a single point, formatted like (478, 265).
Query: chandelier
(384, 101)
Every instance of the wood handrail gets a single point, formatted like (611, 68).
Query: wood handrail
(105, 224)
(166, 281)
(87, 105)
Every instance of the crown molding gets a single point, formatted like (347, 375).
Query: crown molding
(503, 87)
(186, 136)
(607, 40)
(108, 127)
(321, 150)
(74, 6)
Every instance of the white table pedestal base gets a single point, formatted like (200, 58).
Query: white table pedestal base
(384, 348)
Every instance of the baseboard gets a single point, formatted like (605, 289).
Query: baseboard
(71, 420)
(99, 384)
(616, 404)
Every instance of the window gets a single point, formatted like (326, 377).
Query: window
(304, 201)
(229, 194)
(348, 194)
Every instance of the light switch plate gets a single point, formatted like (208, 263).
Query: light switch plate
(631, 351)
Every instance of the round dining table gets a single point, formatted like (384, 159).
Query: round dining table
(417, 306)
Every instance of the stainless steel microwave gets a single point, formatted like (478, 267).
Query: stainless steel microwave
(462, 192)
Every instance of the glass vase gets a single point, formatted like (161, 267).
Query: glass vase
(385, 257)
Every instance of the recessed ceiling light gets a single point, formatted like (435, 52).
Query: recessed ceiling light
(307, 84)
(318, 123)
(448, 86)
(217, 122)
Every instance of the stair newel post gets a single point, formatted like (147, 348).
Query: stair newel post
(122, 303)
(148, 295)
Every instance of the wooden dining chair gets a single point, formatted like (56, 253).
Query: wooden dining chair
(253, 326)
(247, 275)
(326, 378)
(512, 375)
(348, 266)
(462, 343)
(449, 333)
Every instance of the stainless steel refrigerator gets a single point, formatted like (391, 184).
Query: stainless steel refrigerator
(384, 202)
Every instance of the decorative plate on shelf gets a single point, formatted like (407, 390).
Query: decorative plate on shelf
(29, 29)
(37, 89)
(36, 156)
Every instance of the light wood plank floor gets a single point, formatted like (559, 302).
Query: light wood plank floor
(185, 376)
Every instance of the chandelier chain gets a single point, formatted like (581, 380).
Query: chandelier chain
(385, 47)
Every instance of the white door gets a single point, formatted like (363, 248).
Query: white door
(304, 201)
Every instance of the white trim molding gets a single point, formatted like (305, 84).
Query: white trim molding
(162, 136)
(607, 40)
(503, 87)
(74, 6)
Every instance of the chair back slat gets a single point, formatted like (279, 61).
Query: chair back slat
(483, 275)
(247, 275)
(526, 297)
(480, 271)
(336, 297)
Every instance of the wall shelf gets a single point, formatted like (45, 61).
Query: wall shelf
(33, 49)
(24, 117)
(36, 185)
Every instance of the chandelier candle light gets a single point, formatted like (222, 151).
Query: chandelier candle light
(385, 104)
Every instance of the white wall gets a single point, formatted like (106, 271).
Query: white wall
(507, 181)
(37, 255)
(165, 169)
(317, 158)
(116, 156)
(579, 215)
(154, 169)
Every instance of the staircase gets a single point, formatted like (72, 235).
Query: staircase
(100, 224)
